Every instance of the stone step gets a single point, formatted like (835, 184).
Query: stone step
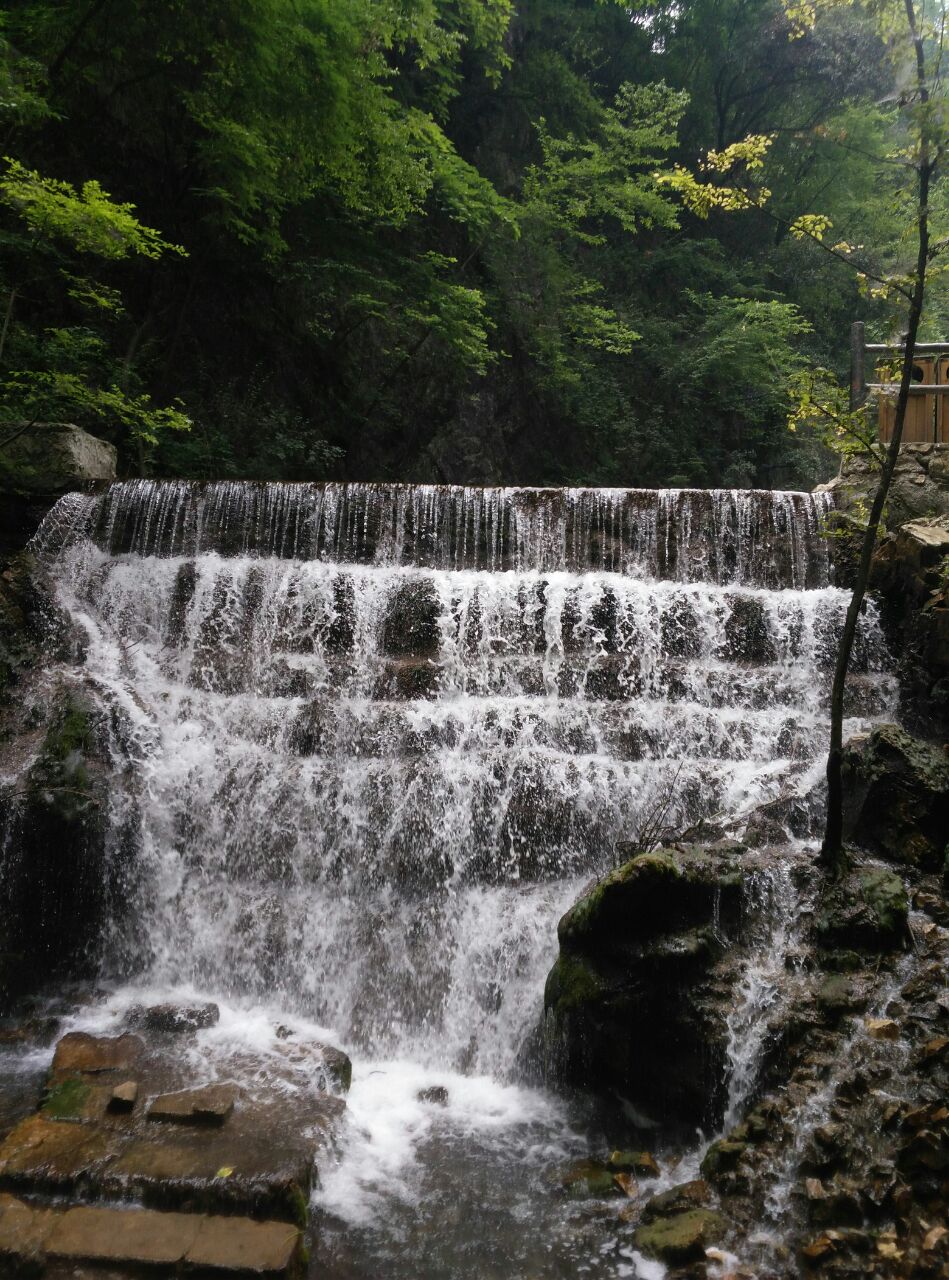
(222, 1148)
(136, 1238)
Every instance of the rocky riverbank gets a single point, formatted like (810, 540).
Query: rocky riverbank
(805, 1033)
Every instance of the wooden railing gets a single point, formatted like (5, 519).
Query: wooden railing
(927, 413)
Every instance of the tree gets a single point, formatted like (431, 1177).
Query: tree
(921, 106)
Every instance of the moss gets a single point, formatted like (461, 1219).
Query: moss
(590, 1179)
(885, 894)
(582, 916)
(681, 1238)
(298, 1205)
(571, 984)
(721, 1157)
(65, 1100)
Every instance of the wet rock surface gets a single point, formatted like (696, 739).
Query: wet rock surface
(647, 960)
(897, 791)
(837, 1164)
(150, 1158)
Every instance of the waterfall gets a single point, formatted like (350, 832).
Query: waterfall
(381, 736)
(380, 732)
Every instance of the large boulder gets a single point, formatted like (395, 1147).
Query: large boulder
(920, 485)
(635, 1003)
(896, 797)
(38, 467)
(867, 909)
(50, 458)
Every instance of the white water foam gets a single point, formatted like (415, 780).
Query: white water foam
(379, 739)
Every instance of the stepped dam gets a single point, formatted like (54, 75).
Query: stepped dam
(368, 743)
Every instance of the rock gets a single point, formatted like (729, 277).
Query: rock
(722, 1157)
(882, 1029)
(124, 1096)
(240, 1246)
(210, 1105)
(632, 1003)
(920, 486)
(868, 909)
(590, 1179)
(436, 1093)
(681, 1238)
(51, 458)
(411, 627)
(23, 1230)
(144, 1238)
(640, 1162)
(61, 874)
(331, 1068)
(174, 1018)
(837, 995)
(46, 1155)
(688, 1195)
(80, 1052)
(897, 797)
(132, 1237)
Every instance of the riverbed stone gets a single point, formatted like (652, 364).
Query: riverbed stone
(136, 1236)
(244, 1247)
(682, 1238)
(131, 1238)
(680, 1199)
(81, 1052)
(174, 1018)
(210, 1105)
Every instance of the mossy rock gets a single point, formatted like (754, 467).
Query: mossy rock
(896, 801)
(666, 891)
(66, 1099)
(590, 1180)
(867, 910)
(722, 1157)
(684, 1237)
(837, 996)
(572, 984)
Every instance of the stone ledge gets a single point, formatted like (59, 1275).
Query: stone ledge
(144, 1237)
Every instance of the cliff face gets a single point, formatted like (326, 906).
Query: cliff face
(920, 484)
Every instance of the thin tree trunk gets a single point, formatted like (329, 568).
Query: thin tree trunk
(833, 856)
(7, 317)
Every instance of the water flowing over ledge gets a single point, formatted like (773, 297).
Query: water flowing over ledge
(370, 743)
(754, 537)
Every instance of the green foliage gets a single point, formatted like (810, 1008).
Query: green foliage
(461, 240)
(87, 220)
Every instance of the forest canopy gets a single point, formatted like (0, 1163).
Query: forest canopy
(441, 240)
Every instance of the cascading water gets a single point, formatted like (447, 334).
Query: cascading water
(383, 735)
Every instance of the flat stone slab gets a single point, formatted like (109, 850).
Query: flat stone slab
(23, 1230)
(245, 1247)
(209, 1105)
(135, 1236)
(78, 1052)
(146, 1238)
(49, 1155)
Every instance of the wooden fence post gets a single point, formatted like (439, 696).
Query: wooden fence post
(858, 378)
